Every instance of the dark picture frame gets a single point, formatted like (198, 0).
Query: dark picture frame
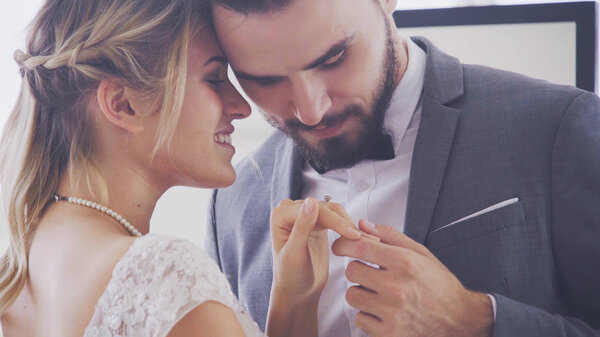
(584, 14)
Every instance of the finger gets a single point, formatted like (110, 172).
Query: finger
(287, 202)
(282, 221)
(305, 223)
(370, 324)
(284, 215)
(369, 236)
(339, 209)
(367, 250)
(367, 276)
(338, 223)
(364, 300)
(392, 236)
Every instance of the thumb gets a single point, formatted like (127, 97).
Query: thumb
(305, 223)
(391, 236)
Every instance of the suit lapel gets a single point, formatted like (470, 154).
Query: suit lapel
(443, 84)
(287, 173)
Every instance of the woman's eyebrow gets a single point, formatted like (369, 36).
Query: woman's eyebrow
(220, 59)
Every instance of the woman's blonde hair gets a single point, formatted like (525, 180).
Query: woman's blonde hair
(73, 45)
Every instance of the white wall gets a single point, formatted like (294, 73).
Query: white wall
(413, 4)
(14, 18)
(181, 211)
(541, 50)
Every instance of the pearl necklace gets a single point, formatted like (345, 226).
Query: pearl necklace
(78, 201)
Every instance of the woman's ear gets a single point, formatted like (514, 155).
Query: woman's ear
(114, 101)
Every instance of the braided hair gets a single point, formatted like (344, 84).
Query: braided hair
(73, 46)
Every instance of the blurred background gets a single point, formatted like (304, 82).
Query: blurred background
(182, 211)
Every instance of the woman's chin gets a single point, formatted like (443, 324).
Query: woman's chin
(228, 181)
(222, 178)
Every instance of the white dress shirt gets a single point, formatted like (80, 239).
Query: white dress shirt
(368, 189)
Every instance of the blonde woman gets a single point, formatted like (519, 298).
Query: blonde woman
(120, 100)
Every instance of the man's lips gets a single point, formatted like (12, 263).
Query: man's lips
(328, 130)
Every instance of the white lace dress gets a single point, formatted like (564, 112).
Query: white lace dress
(155, 284)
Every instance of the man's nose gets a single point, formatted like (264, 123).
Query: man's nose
(310, 99)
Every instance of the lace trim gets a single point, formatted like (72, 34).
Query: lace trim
(155, 284)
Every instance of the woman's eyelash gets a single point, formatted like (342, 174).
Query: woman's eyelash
(216, 82)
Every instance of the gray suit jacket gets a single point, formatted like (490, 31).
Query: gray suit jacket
(485, 136)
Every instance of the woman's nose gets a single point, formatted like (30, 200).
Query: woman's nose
(234, 105)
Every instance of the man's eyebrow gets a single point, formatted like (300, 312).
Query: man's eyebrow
(220, 59)
(331, 52)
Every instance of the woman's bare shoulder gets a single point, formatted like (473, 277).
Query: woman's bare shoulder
(70, 269)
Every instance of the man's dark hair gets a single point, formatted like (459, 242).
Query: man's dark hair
(253, 6)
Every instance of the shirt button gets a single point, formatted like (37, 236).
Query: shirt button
(362, 186)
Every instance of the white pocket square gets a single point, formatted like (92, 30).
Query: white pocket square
(483, 211)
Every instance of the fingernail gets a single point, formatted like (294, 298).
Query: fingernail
(308, 207)
(369, 224)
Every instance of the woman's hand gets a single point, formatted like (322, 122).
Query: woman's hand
(300, 248)
(301, 262)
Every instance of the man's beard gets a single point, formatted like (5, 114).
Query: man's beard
(339, 152)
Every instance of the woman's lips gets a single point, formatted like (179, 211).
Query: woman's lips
(223, 137)
(224, 140)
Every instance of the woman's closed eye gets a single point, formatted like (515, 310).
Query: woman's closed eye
(216, 77)
(215, 82)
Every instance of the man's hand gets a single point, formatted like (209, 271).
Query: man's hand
(411, 293)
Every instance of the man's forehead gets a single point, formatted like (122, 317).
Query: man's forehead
(296, 34)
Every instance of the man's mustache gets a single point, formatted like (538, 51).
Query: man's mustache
(328, 120)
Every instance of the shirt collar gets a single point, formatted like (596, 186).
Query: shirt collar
(407, 94)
